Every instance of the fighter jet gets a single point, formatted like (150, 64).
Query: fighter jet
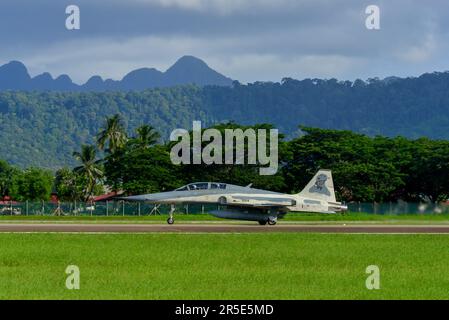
(250, 204)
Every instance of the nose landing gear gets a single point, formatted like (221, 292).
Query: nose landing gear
(171, 219)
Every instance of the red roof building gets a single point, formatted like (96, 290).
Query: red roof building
(107, 196)
(6, 200)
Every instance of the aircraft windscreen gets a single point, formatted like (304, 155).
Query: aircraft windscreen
(202, 186)
(198, 186)
(218, 186)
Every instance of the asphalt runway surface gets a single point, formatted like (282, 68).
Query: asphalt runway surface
(219, 228)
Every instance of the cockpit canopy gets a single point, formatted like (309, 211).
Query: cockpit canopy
(203, 186)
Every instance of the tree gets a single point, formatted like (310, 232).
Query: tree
(90, 168)
(240, 174)
(69, 185)
(364, 169)
(428, 171)
(113, 133)
(32, 184)
(146, 137)
(149, 170)
(7, 174)
(136, 149)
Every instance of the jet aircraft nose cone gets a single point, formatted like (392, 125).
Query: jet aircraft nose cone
(154, 197)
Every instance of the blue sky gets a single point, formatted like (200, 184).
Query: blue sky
(248, 40)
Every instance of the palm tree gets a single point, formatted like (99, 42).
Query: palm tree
(146, 137)
(90, 168)
(114, 133)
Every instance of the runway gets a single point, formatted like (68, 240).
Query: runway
(219, 228)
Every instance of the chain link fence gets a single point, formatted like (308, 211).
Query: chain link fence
(399, 208)
(108, 208)
(122, 208)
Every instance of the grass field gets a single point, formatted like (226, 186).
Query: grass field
(224, 266)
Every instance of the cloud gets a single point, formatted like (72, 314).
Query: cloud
(420, 52)
(269, 67)
(248, 40)
(224, 6)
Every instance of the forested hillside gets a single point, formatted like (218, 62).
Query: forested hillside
(412, 107)
(44, 128)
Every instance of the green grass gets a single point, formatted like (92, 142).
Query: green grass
(224, 266)
(291, 218)
(351, 216)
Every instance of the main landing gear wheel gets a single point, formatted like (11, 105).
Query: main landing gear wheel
(222, 201)
(263, 222)
(272, 221)
(170, 220)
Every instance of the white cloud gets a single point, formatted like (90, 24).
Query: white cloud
(275, 67)
(227, 6)
(421, 52)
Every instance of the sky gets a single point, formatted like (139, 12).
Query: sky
(247, 40)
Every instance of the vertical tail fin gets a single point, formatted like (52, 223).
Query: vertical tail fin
(320, 187)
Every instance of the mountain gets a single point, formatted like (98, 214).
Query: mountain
(14, 76)
(144, 78)
(42, 81)
(187, 70)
